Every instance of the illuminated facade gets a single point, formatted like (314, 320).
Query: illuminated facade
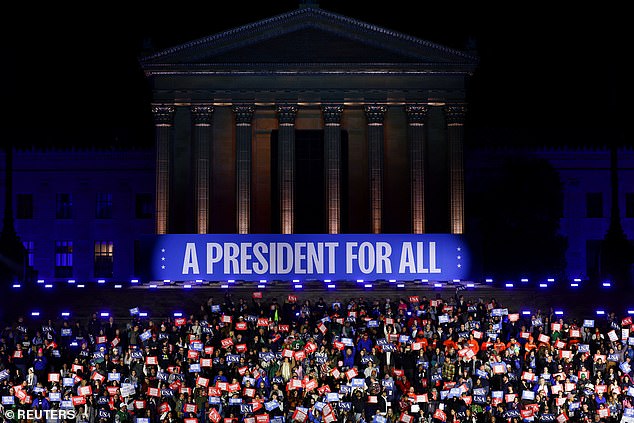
(309, 122)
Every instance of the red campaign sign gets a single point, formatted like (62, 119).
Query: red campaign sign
(414, 299)
(209, 350)
(352, 373)
(202, 381)
(543, 338)
(626, 321)
(322, 390)
(153, 392)
(214, 416)
(514, 317)
(243, 370)
(525, 335)
(257, 295)
(112, 390)
(176, 385)
(300, 355)
(227, 342)
(164, 408)
(226, 319)
(53, 377)
(310, 348)
(190, 408)
(478, 334)
(283, 328)
(287, 353)
(262, 418)
(335, 373)
(222, 385)
(151, 361)
(292, 298)
(339, 345)
(263, 322)
(233, 387)
(560, 345)
(299, 416)
(249, 420)
(440, 415)
(575, 333)
(241, 348)
(205, 362)
(468, 399)
(190, 420)
(85, 390)
(79, 400)
(526, 413)
(193, 354)
(562, 418)
(406, 418)
(77, 368)
(311, 384)
(174, 369)
(241, 326)
(17, 354)
(603, 412)
(181, 321)
(214, 391)
(101, 340)
(322, 327)
(249, 392)
(98, 376)
(139, 404)
(185, 390)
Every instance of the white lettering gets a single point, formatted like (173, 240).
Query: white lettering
(366, 257)
(214, 255)
(299, 257)
(284, 260)
(316, 258)
(231, 252)
(383, 262)
(407, 264)
(350, 255)
(432, 259)
(261, 266)
(420, 261)
(190, 261)
(244, 257)
(331, 255)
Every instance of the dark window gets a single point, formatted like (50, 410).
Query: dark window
(629, 204)
(24, 206)
(64, 206)
(104, 259)
(104, 205)
(63, 259)
(144, 206)
(594, 204)
(29, 247)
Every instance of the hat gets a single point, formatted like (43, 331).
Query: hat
(123, 404)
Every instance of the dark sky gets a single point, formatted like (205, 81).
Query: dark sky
(547, 74)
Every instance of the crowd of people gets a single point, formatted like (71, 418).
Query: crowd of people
(409, 360)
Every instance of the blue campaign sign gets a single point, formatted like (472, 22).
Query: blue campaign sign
(307, 256)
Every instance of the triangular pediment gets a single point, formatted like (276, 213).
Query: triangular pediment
(306, 36)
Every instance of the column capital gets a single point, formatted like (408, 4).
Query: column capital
(455, 114)
(375, 113)
(286, 114)
(416, 114)
(202, 114)
(332, 114)
(244, 114)
(163, 114)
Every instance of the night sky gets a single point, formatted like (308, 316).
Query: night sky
(547, 75)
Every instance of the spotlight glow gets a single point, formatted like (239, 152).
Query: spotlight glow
(559, 312)
(509, 285)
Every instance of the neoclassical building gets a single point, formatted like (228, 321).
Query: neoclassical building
(309, 122)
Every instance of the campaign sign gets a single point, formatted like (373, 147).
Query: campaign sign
(306, 256)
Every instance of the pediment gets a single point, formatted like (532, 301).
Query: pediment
(308, 36)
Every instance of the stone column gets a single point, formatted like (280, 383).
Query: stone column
(202, 118)
(163, 123)
(455, 133)
(244, 117)
(375, 114)
(286, 114)
(332, 161)
(416, 117)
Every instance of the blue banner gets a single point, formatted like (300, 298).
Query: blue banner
(182, 257)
